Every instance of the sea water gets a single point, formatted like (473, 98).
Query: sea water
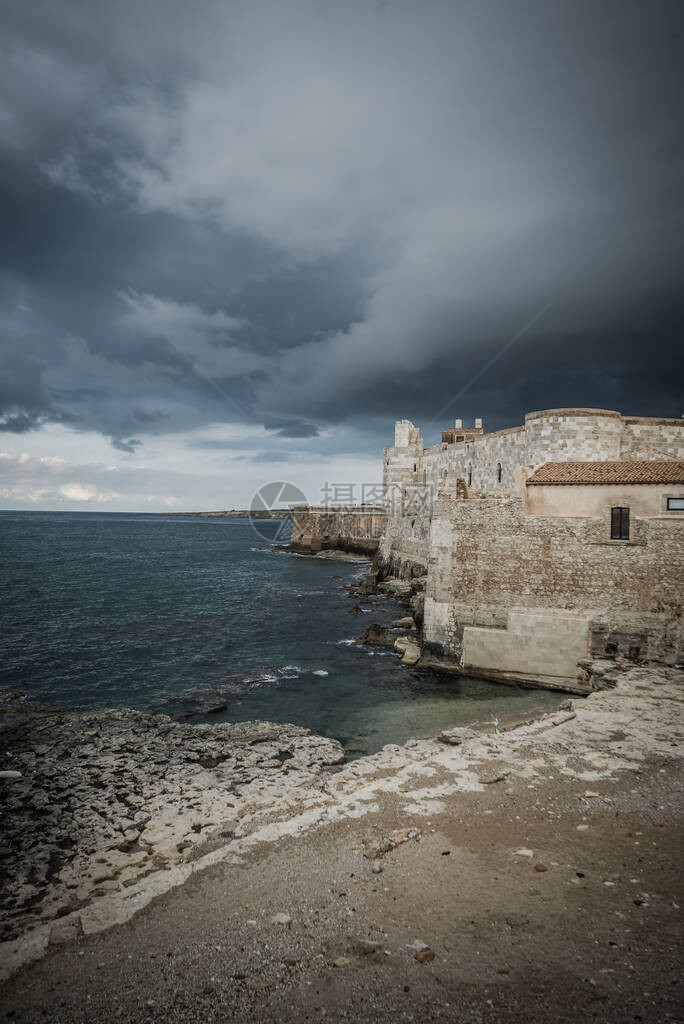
(191, 617)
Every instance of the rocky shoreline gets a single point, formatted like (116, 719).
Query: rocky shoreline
(581, 801)
(102, 812)
(94, 804)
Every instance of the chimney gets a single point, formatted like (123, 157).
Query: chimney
(458, 424)
(478, 424)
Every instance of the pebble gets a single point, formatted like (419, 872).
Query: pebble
(423, 956)
(281, 919)
(524, 852)
(342, 961)
(366, 947)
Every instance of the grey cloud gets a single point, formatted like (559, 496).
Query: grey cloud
(270, 456)
(339, 213)
(129, 446)
(292, 428)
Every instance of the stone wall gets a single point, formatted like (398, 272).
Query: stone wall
(650, 438)
(350, 528)
(487, 558)
(533, 644)
(404, 550)
(488, 462)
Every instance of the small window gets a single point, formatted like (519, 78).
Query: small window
(498, 472)
(460, 437)
(675, 504)
(415, 467)
(619, 523)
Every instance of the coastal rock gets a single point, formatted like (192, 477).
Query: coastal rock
(396, 588)
(456, 736)
(98, 801)
(411, 654)
(365, 585)
(404, 623)
(378, 636)
(418, 605)
(408, 648)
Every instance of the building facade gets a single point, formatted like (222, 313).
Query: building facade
(543, 544)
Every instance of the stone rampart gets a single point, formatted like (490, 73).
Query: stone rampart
(344, 528)
(487, 462)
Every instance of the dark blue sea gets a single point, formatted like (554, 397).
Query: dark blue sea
(183, 615)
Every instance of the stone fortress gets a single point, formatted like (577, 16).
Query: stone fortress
(541, 545)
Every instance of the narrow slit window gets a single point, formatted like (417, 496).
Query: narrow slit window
(470, 476)
(498, 472)
(619, 523)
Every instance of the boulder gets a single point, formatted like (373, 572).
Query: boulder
(396, 588)
(409, 648)
(378, 636)
(456, 736)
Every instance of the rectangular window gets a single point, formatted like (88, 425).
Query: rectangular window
(619, 523)
(675, 504)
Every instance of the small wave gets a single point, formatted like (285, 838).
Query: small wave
(345, 643)
(290, 672)
(319, 672)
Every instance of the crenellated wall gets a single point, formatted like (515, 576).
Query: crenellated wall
(487, 462)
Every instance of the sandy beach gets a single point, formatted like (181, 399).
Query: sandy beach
(528, 875)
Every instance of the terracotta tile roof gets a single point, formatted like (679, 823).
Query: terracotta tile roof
(669, 471)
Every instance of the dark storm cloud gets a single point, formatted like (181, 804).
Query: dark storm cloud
(338, 213)
(292, 428)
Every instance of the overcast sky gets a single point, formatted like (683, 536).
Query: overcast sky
(240, 239)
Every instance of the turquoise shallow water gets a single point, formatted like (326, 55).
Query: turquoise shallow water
(178, 614)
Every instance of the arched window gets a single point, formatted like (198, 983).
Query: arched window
(498, 472)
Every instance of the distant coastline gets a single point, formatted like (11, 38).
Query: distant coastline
(236, 513)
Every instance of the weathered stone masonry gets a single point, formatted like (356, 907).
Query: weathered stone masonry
(487, 558)
(554, 435)
(322, 527)
(528, 580)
